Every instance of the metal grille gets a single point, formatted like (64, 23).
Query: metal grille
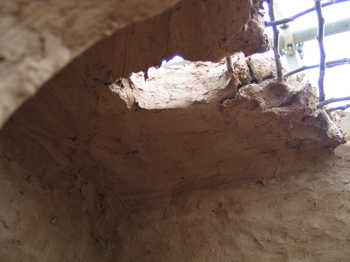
(320, 38)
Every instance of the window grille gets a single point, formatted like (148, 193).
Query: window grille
(323, 64)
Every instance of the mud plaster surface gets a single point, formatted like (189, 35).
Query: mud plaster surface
(304, 217)
(219, 175)
(38, 38)
(245, 175)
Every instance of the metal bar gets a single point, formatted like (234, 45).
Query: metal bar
(320, 39)
(275, 42)
(338, 108)
(309, 34)
(333, 100)
(292, 18)
(328, 65)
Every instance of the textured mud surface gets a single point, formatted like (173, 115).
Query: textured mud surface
(182, 163)
(33, 50)
(302, 217)
(191, 164)
(184, 127)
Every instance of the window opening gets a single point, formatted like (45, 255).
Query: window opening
(294, 45)
(176, 60)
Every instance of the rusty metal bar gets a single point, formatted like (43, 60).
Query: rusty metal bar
(275, 42)
(292, 18)
(328, 65)
(338, 108)
(320, 39)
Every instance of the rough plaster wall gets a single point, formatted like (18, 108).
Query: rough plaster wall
(303, 217)
(84, 178)
(32, 50)
(206, 31)
(38, 38)
(209, 176)
(187, 141)
(41, 223)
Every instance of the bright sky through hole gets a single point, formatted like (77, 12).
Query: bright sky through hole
(176, 58)
(337, 82)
